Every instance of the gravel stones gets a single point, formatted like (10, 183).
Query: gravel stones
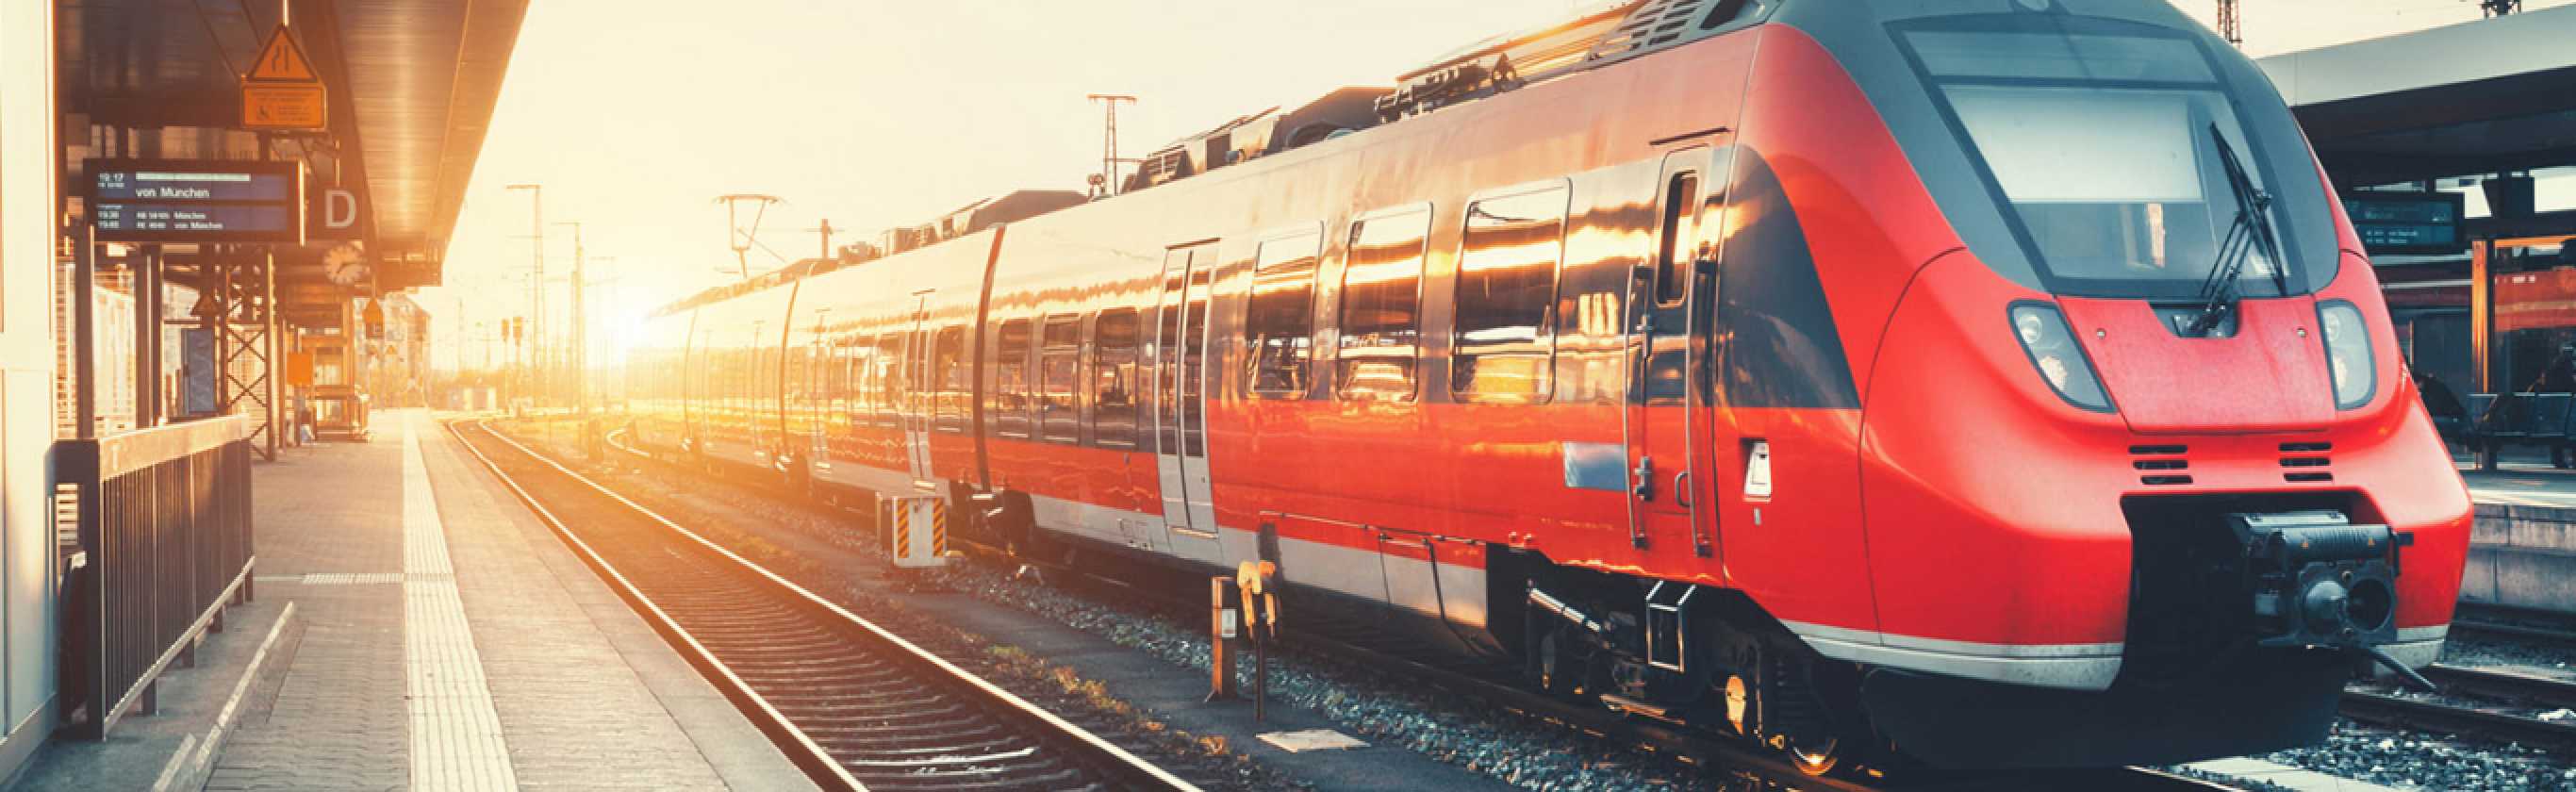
(2418, 761)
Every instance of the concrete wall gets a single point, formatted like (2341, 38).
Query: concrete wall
(29, 170)
(2523, 556)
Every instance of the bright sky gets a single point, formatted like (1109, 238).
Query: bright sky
(874, 113)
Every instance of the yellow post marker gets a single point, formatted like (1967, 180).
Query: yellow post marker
(1261, 619)
(1221, 631)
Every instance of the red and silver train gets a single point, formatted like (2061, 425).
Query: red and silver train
(1993, 381)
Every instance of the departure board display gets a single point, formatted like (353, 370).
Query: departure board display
(2408, 223)
(197, 201)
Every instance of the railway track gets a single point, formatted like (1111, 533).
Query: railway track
(1697, 749)
(854, 705)
(2522, 624)
(2476, 702)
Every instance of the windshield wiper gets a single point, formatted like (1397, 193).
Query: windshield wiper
(2252, 231)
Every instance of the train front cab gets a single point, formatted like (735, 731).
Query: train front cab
(2118, 509)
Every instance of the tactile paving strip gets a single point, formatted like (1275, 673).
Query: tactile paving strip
(456, 741)
(355, 578)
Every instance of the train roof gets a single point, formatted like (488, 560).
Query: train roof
(1592, 36)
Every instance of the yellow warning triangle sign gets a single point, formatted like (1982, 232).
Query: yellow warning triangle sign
(282, 60)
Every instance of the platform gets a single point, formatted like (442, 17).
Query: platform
(2520, 482)
(433, 636)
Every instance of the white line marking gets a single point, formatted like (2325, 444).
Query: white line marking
(232, 706)
(456, 741)
(170, 771)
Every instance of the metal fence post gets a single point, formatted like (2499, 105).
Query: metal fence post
(84, 343)
(84, 646)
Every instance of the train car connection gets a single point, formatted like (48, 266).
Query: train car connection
(1991, 383)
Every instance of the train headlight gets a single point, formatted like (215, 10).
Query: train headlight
(2060, 360)
(2348, 358)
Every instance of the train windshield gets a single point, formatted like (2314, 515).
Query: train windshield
(2101, 140)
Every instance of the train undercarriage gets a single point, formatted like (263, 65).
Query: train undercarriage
(2248, 616)
(1699, 657)
(2235, 644)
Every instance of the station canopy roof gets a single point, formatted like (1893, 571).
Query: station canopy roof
(411, 86)
(2474, 98)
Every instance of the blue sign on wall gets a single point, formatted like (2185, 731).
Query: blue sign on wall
(2408, 223)
(197, 201)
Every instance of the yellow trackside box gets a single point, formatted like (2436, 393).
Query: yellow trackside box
(916, 529)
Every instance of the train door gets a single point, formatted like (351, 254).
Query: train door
(920, 392)
(1180, 409)
(693, 383)
(819, 393)
(1668, 478)
(763, 355)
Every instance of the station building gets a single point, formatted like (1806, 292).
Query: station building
(140, 378)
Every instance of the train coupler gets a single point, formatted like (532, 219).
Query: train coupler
(2319, 580)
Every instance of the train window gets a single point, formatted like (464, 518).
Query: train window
(1507, 272)
(823, 376)
(697, 381)
(747, 378)
(1681, 226)
(950, 389)
(1009, 400)
(1059, 377)
(1727, 11)
(859, 386)
(831, 373)
(1113, 378)
(1381, 326)
(1281, 320)
(889, 379)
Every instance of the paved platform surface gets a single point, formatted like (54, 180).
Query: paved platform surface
(2523, 485)
(2523, 477)
(441, 639)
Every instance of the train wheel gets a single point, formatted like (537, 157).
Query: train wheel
(1555, 663)
(1814, 758)
(1548, 664)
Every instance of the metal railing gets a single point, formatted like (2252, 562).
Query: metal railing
(163, 522)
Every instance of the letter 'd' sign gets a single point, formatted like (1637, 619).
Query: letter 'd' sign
(334, 213)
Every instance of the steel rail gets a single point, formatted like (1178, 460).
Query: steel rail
(2504, 684)
(2445, 714)
(1696, 749)
(1092, 752)
(2505, 621)
(2425, 715)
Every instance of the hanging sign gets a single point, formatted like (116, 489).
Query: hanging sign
(282, 92)
(2408, 223)
(186, 201)
(333, 213)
